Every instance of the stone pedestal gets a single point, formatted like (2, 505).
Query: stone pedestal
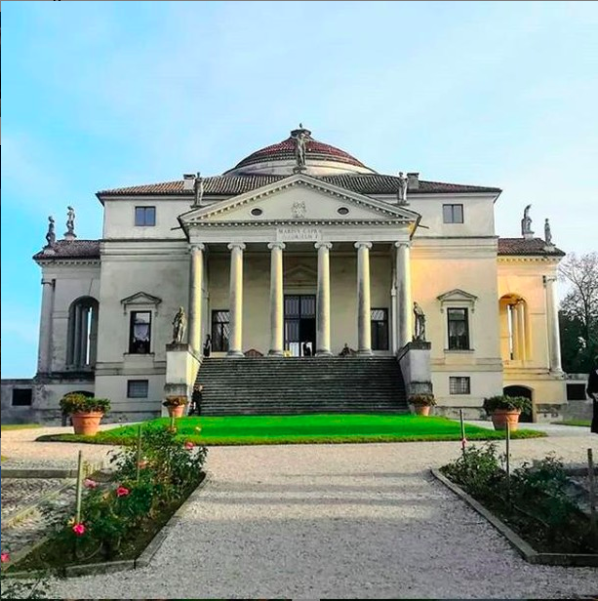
(414, 359)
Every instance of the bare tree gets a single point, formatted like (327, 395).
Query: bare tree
(581, 302)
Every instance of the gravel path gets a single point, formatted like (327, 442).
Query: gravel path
(17, 493)
(340, 521)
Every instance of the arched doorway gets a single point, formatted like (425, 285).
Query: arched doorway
(524, 391)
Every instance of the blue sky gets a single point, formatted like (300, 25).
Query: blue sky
(104, 94)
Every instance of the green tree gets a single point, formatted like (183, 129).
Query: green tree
(578, 315)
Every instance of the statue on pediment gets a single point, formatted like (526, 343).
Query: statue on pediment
(402, 191)
(198, 190)
(70, 224)
(300, 148)
(547, 233)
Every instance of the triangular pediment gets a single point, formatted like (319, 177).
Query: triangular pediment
(300, 274)
(457, 297)
(299, 199)
(141, 298)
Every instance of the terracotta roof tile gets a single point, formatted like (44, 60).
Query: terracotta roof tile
(523, 246)
(71, 249)
(285, 151)
(231, 185)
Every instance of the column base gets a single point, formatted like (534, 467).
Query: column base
(273, 353)
(235, 354)
(323, 353)
(365, 352)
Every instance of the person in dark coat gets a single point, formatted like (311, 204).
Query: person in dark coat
(207, 347)
(196, 398)
(592, 391)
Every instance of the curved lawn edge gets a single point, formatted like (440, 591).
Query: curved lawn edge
(285, 440)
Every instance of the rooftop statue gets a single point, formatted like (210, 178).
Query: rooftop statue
(51, 235)
(526, 223)
(198, 190)
(70, 223)
(402, 191)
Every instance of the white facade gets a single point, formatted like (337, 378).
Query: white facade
(301, 231)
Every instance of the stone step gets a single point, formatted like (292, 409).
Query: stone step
(294, 386)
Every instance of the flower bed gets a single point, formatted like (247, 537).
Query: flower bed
(534, 502)
(119, 519)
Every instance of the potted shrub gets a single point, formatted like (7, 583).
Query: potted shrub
(86, 412)
(506, 409)
(176, 405)
(422, 403)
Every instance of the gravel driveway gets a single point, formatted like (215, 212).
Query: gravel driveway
(339, 521)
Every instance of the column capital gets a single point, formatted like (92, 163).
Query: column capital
(319, 245)
(272, 245)
(549, 279)
(401, 244)
(49, 281)
(197, 246)
(363, 245)
(239, 245)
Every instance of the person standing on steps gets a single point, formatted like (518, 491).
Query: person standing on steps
(207, 347)
(592, 390)
(196, 398)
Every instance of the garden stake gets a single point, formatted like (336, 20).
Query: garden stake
(592, 490)
(508, 462)
(79, 487)
(462, 431)
(139, 435)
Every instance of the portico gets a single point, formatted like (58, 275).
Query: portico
(345, 232)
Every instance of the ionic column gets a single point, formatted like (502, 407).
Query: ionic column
(235, 344)
(276, 299)
(195, 302)
(323, 299)
(404, 313)
(516, 336)
(44, 358)
(521, 328)
(554, 338)
(364, 331)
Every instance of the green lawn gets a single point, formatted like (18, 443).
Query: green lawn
(18, 427)
(582, 423)
(320, 428)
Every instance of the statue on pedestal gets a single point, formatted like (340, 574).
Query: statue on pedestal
(402, 191)
(300, 147)
(547, 233)
(420, 323)
(526, 223)
(51, 235)
(198, 190)
(70, 224)
(179, 324)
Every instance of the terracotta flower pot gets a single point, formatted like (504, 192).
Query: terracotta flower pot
(422, 409)
(87, 424)
(176, 411)
(500, 418)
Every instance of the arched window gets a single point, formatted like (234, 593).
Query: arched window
(82, 333)
(514, 327)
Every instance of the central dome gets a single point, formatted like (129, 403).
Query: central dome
(281, 158)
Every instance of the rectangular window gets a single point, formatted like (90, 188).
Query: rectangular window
(379, 326)
(145, 216)
(220, 330)
(140, 332)
(460, 385)
(452, 213)
(22, 397)
(137, 389)
(458, 329)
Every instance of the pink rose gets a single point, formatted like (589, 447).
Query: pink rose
(5, 557)
(121, 491)
(189, 446)
(89, 483)
(79, 529)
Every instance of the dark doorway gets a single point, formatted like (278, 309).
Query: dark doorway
(526, 416)
(300, 324)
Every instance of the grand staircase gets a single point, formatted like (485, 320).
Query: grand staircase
(291, 386)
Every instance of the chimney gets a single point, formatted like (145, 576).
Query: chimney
(413, 181)
(188, 181)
